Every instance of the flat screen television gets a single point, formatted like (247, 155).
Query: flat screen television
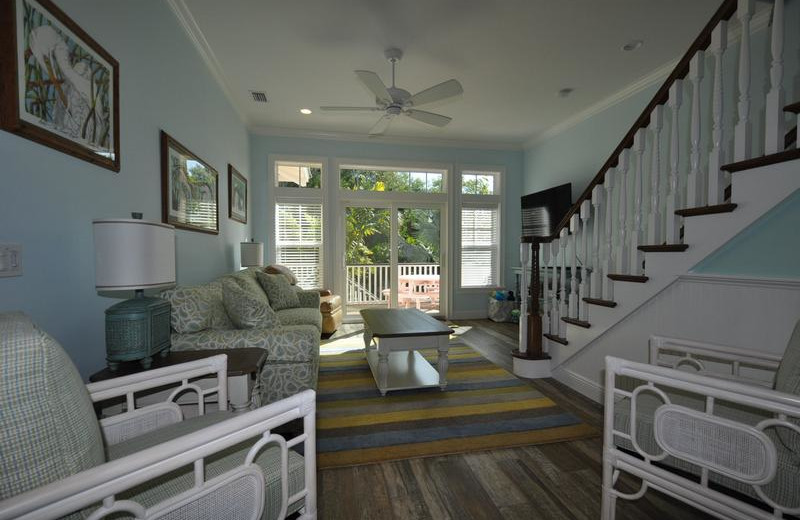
(543, 210)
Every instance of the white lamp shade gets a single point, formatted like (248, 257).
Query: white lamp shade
(252, 254)
(133, 254)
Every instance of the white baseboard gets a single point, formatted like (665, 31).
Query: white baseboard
(581, 384)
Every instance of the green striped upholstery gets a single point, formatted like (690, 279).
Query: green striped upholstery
(49, 429)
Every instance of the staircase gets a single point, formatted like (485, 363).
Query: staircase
(681, 183)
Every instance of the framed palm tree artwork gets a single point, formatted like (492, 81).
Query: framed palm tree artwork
(237, 195)
(58, 86)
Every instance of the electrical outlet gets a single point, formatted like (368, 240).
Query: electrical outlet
(10, 260)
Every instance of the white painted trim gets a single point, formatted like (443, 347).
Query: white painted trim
(577, 382)
(383, 139)
(532, 368)
(198, 39)
(742, 281)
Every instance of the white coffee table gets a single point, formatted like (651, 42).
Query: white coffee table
(392, 338)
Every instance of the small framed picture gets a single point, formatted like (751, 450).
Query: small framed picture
(58, 86)
(237, 196)
(189, 189)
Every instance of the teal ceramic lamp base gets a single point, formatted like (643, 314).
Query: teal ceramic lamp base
(136, 330)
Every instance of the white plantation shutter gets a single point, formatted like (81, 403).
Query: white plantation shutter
(479, 247)
(298, 241)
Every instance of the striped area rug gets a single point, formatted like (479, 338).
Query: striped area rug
(484, 407)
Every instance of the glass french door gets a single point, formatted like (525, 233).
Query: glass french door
(392, 257)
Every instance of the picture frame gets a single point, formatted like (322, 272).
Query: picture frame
(237, 195)
(58, 86)
(189, 189)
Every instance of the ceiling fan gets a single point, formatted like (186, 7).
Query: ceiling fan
(394, 101)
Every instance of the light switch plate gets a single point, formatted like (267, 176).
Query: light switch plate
(10, 260)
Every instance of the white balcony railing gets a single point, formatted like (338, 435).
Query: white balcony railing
(371, 284)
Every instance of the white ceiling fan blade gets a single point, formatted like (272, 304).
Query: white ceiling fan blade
(373, 82)
(428, 117)
(348, 109)
(382, 124)
(438, 92)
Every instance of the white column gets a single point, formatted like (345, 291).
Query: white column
(525, 260)
(555, 315)
(623, 251)
(586, 210)
(774, 122)
(607, 290)
(694, 184)
(574, 226)
(674, 198)
(638, 228)
(716, 177)
(742, 132)
(656, 194)
(597, 242)
(545, 261)
(563, 308)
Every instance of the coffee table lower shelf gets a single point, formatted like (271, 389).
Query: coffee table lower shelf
(407, 369)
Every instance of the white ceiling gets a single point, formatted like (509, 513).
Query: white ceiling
(511, 56)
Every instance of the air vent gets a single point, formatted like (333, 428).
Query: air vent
(259, 97)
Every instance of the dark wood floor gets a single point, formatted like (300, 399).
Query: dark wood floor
(550, 481)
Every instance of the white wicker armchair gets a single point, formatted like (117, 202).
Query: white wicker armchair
(723, 436)
(57, 459)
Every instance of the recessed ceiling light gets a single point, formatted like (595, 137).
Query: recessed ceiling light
(632, 45)
(305, 111)
(564, 92)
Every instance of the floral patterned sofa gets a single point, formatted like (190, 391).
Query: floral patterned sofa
(235, 311)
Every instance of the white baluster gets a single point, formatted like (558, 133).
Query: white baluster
(525, 259)
(573, 274)
(545, 257)
(597, 243)
(636, 233)
(695, 184)
(742, 133)
(555, 317)
(564, 309)
(774, 123)
(656, 194)
(607, 290)
(586, 210)
(716, 177)
(623, 251)
(674, 197)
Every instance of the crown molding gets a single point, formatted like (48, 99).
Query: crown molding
(198, 39)
(383, 139)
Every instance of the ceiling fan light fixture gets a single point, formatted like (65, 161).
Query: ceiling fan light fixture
(305, 111)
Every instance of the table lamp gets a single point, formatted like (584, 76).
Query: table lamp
(135, 254)
(252, 253)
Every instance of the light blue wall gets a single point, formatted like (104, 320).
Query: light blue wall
(767, 248)
(48, 199)
(262, 146)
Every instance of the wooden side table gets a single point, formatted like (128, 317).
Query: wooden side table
(243, 366)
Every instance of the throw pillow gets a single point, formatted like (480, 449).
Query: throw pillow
(282, 269)
(246, 310)
(191, 310)
(281, 293)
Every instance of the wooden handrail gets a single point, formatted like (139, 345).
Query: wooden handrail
(725, 12)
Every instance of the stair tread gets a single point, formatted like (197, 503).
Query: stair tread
(577, 323)
(557, 339)
(706, 210)
(628, 278)
(794, 108)
(664, 248)
(601, 302)
(775, 158)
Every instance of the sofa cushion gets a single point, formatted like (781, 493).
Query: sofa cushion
(245, 309)
(308, 299)
(49, 430)
(300, 316)
(191, 308)
(290, 343)
(282, 269)
(280, 292)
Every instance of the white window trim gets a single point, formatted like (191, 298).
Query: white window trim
(477, 201)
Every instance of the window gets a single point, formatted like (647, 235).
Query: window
(298, 241)
(477, 183)
(298, 174)
(366, 178)
(480, 247)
